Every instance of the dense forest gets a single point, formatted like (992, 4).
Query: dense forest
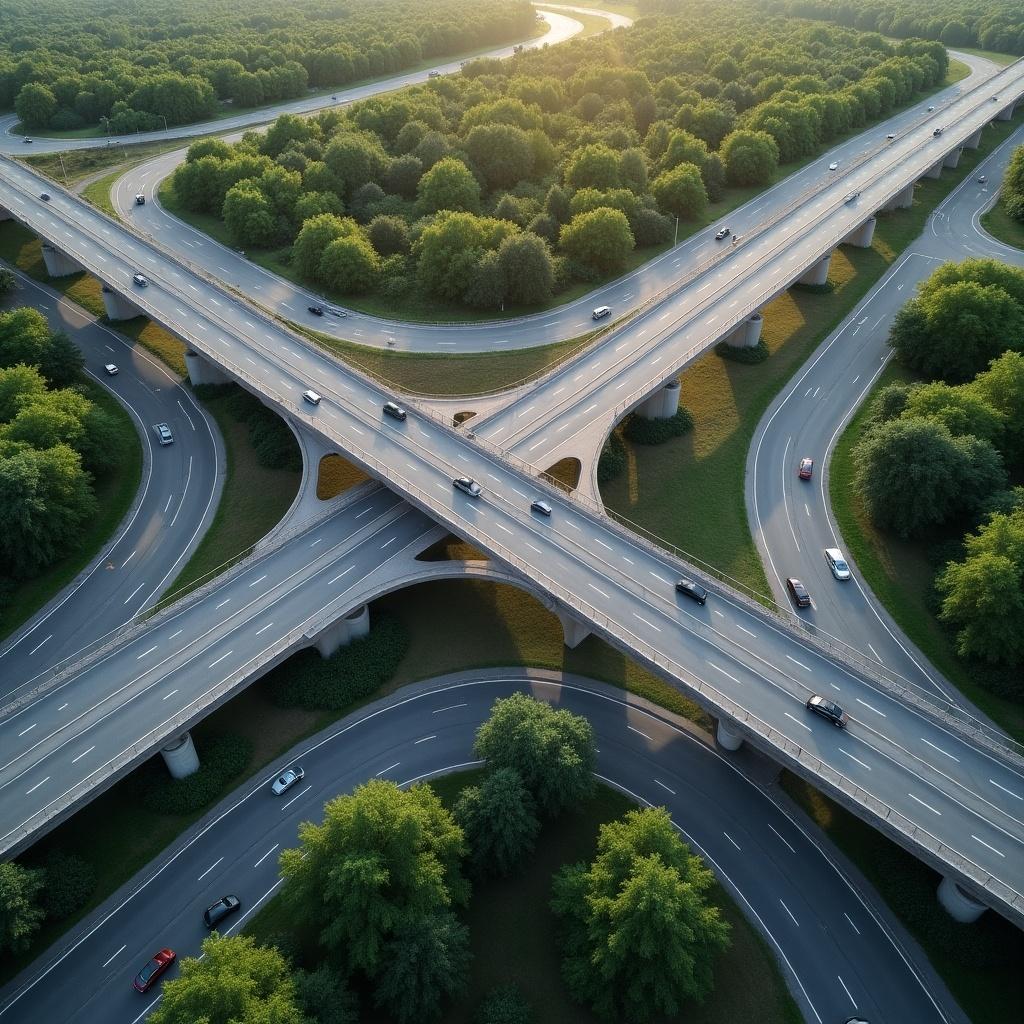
(127, 66)
(992, 25)
(513, 180)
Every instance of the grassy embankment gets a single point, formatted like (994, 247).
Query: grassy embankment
(512, 932)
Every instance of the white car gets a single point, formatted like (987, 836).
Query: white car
(288, 778)
(312, 397)
(833, 166)
(111, 369)
(163, 433)
(467, 486)
(836, 562)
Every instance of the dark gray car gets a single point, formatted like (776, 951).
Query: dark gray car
(224, 907)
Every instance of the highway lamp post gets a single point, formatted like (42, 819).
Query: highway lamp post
(675, 238)
(166, 129)
(63, 170)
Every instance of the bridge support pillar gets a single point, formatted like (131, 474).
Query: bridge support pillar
(663, 404)
(180, 756)
(747, 334)
(117, 306)
(1006, 113)
(727, 736)
(58, 263)
(201, 370)
(5, 214)
(902, 200)
(974, 141)
(818, 274)
(961, 906)
(952, 159)
(574, 632)
(861, 237)
(935, 171)
(344, 630)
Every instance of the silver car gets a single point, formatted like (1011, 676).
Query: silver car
(163, 433)
(288, 778)
(837, 563)
(467, 486)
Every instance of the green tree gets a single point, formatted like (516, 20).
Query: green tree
(249, 217)
(953, 332)
(680, 191)
(983, 595)
(683, 148)
(487, 286)
(594, 166)
(315, 235)
(356, 159)
(19, 385)
(8, 282)
(552, 751)
(380, 855)
(751, 158)
(501, 152)
(236, 982)
(21, 912)
(499, 819)
(1002, 387)
(62, 362)
(24, 337)
(448, 185)
(600, 238)
(526, 263)
(962, 409)
(35, 105)
(426, 961)
(912, 474)
(324, 997)
(504, 1005)
(56, 417)
(448, 250)
(638, 934)
(349, 265)
(388, 235)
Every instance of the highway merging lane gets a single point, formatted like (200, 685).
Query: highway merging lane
(587, 564)
(175, 504)
(837, 957)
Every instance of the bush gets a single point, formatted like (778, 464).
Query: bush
(504, 1005)
(271, 438)
(220, 761)
(354, 672)
(613, 459)
(741, 354)
(70, 881)
(643, 431)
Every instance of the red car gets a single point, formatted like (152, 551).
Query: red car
(806, 469)
(147, 977)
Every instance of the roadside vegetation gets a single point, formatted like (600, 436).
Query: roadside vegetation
(1005, 220)
(519, 184)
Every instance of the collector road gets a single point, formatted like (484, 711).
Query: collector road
(837, 956)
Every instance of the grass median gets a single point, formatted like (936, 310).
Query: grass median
(999, 224)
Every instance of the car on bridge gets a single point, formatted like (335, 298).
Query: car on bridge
(692, 590)
(982, 179)
(45, 196)
(288, 778)
(147, 977)
(140, 280)
(313, 397)
(541, 506)
(316, 310)
(467, 485)
(937, 132)
(395, 411)
(806, 469)
(798, 592)
(828, 710)
(721, 233)
(837, 564)
(834, 166)
(852, 197)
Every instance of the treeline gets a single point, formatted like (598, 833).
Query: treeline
(52, 441)
(943, 461)
(510, 182)
(1011, 195)
(993, 25)
(67, 65)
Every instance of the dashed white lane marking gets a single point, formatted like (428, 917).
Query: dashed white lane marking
(940, 750)
(852, 925)
(28, 792)
(803, 725)
(788, 911)
(209, 869)
(731, 840)
(168, 696)
(40, 644)
(297, 796)
(424, 740)
(639, 733)
(917, 799)
(385, 770)
(260, 580)
(263, 629)
(266, 855)
(340, 574)
(745, 630)
(847, 991)
(451, 707)
(145, 653)
(852, 758)
(1005, 790)
(29, 729)
(718, 668)
(870, 708)
(987, 846)
(800, 663)
(118, 953)
(220, 659)
(75, 760)
(663, 786)
(221, 605)
(598, 590)
(779, 834)
(646, 622)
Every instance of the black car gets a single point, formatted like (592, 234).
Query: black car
(798, 592)
(694, 590)
(395, 411)
(828, 710)
(45, 196)
(316, 310)
(224, 907)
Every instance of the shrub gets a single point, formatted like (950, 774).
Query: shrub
(741, 354)
(504, 1005)
(613, 459)
(644, 431)
(220, 761)
(70, 881)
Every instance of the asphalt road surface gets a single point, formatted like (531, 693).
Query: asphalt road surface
(837, 956)
(176, 500)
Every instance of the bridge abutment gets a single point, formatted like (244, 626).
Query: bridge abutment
(663, 404)
(862, 237)
(117, 306)
(201, 370)
(727, 736)
(180, 756)
(344, 630)
(59, 263)
(574, 632)
(961, 906)
(817, 274)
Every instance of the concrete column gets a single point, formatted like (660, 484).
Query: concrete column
(663, 404)
(861, 237)
(59, 264)
(935, 171)
(746, 334)
(344, 630)
(902, 200)
(117, 306)
(5, 214)
(961, 906)
(952, 159)
(180, 756)
(1006, 113)
(727, 736)
(202, 371)
(817, 274)
(574, 632)
(974, 141)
